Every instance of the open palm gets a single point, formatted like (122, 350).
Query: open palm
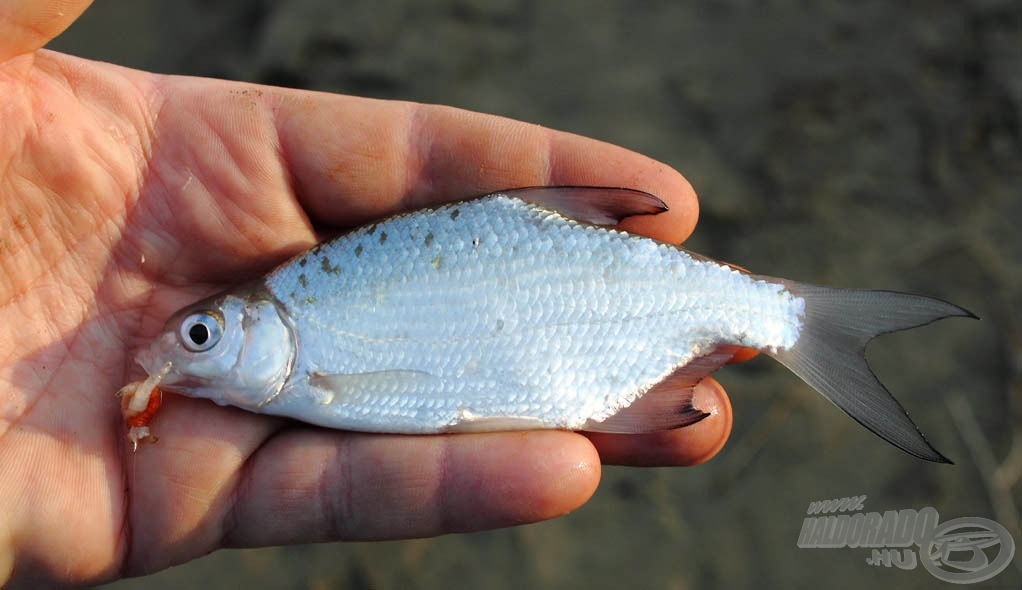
(126, 195)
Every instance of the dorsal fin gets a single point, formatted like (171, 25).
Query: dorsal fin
(592, 204)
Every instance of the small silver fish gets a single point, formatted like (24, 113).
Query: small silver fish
(518, 310)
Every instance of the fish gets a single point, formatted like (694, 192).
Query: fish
(520, 309)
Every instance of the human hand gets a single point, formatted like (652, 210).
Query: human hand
(127, 195)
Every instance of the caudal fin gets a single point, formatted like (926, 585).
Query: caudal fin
(830, 354)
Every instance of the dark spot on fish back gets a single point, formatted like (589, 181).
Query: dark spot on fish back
(329, 268)
(303, 280)
(455, 213)
(429, 239)
(371, 229)
(383, 237)
(303, 261)
(358, 250)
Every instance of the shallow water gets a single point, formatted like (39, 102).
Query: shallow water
(867, 144)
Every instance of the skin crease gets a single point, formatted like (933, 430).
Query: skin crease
(127, 195)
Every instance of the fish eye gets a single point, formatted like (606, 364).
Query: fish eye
(201, 331)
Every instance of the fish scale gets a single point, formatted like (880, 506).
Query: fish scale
(515, 310)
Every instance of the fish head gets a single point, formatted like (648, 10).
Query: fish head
(233, 348)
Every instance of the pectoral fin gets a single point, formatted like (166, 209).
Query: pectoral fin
(395, 382)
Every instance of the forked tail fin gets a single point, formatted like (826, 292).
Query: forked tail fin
(830, 354)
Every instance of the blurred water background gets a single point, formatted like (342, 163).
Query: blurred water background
(871, 144)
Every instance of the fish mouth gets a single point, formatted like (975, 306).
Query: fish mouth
(163, 363)
(157, 361)
(157, 354)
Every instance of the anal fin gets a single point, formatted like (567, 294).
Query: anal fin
(668, 405)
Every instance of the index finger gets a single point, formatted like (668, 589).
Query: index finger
(353, 160)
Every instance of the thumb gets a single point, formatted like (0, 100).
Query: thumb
(27, 25)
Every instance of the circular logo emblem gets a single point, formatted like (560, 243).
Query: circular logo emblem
(966, 550)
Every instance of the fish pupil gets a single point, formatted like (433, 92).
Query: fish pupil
(199, 334)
